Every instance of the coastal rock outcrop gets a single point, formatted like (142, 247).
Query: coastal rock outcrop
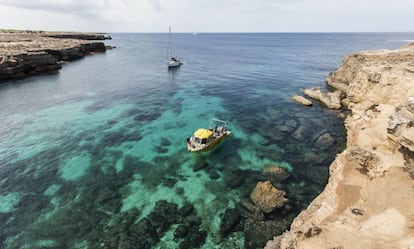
(80, 36)
(367, 202)
(25, 64)
(401, 125)
(302, 100)
(330, 99)
(24, 53)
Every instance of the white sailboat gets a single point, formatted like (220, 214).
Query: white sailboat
(172, 61)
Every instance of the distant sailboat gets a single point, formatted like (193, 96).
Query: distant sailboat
(172, 61)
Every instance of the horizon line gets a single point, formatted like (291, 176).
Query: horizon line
(255, 32)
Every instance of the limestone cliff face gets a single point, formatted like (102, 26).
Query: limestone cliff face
(369, 199)
(27, 53)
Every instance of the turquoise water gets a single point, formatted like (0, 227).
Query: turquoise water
(90, 154)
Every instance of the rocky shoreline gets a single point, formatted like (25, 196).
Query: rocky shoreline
(27, 53)
(368, 200)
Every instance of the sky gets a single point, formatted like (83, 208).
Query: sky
(209, 15)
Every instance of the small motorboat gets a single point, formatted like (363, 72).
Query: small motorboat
(206, 139)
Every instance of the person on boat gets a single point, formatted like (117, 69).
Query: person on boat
(216, 133)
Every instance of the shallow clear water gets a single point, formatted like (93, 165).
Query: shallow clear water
(86, 153)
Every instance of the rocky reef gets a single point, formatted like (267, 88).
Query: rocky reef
(263, 213)
(368, 200)
(26, 53)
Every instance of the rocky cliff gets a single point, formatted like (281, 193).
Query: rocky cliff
(25, 53)
(369, 199)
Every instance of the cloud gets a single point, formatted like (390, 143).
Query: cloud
(155, 5)
(83, 8)
(210, 15)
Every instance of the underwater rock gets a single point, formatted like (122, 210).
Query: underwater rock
(117, 138)
(180, 232)
(288, 126)
(133, 136)
(186, 210)
(98, 106)
(189, 228)
(145, 116)
(302, 133)
(163, 215)
(229, 221)
(267, 197)
(199, 166)
(169, 182)
(111, 206)
(233, 181)
(194, 240)
(271, 132)
(179, 191)
(275, 173)
(160, 150)
(123, 221)
(273, 113)
(257, 233)
(250, 211)
(325, 140)
(143, 234)
(165, 142)
(148, 231)
(314, 158)
(242, 180)
(111, 122)
(213, 174)
(192, 221)
(113, 231)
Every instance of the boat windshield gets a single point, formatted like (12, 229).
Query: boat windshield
(197, 140)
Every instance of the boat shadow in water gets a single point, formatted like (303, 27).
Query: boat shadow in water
(173, 70)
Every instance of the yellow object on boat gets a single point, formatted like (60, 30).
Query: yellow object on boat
(203, 133)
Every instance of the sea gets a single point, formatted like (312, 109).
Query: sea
(94, 156)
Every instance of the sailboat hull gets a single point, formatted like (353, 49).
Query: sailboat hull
(174, 63)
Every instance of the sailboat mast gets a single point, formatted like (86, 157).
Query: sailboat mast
(169, 44)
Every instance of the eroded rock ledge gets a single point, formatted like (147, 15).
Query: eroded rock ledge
(26, 53)
(368, 201)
